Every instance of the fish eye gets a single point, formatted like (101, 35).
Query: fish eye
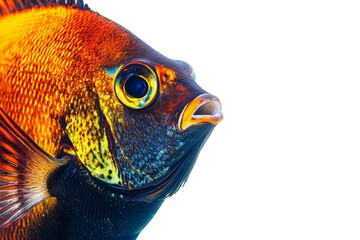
(136, 85)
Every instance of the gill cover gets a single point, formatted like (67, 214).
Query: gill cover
(90, 136)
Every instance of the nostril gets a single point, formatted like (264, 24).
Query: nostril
(212, 107)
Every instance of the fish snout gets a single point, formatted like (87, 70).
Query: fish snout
(205, 108)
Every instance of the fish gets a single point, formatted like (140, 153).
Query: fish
(97, 128)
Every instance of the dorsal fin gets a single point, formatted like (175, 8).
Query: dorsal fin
(9, 6)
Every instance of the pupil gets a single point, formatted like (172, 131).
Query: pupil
(136, 87)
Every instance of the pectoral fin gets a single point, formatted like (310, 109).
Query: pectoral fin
(24, 170)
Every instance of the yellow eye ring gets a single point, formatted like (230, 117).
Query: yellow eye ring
(136, 85)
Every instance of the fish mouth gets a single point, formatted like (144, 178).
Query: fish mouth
(205, 108)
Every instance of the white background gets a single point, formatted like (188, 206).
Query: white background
(285, 162)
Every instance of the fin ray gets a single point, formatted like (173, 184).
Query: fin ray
(9, 6)
(24, 170)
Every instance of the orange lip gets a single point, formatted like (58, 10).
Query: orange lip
(205, 108)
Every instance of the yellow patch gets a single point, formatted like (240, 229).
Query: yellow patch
(90, 139)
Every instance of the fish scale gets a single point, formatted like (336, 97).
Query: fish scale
(27, 94)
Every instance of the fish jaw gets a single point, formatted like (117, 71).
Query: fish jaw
(176, 175)
(205, 108)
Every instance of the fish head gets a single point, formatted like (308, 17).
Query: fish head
(139, 125)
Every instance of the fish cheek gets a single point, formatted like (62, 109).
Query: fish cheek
(87, 129)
